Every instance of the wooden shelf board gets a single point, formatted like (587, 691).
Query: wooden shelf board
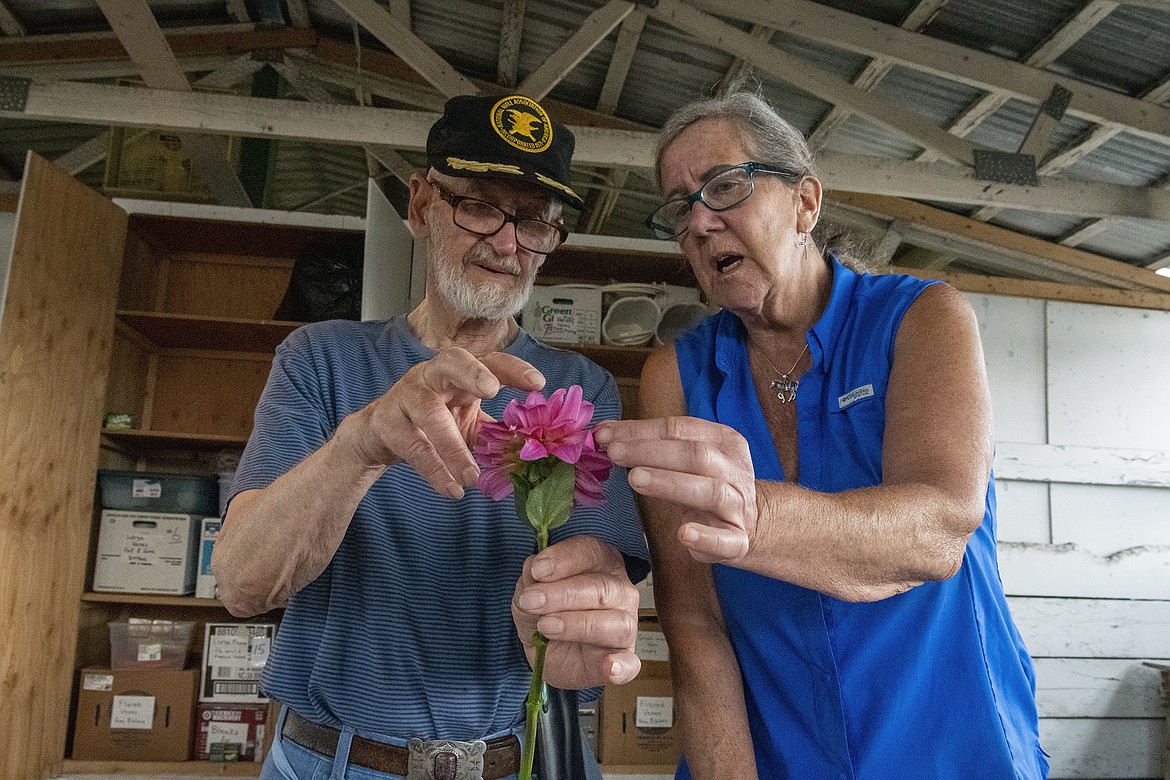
(137, 440)
(161, 768)
(189, 331)
(147, 598)
(643, 770)
(623, 362)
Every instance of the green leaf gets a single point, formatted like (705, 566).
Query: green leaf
(551, 501)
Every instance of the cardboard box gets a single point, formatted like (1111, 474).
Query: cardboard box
(563, 315)
(146, 552)
(234, 655)
(230, 732)
(205, 587)
(139, 715)
(636, 723)
(651, 648)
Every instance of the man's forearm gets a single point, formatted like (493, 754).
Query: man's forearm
(277, 540)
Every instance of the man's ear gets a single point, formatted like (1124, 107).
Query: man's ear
(421, 197)
(808, 204)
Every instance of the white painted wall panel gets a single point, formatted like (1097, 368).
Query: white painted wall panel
(1012, 331)
(1093, 628)
(1067, 570)
(1099, 749)
(1023, 514)
(1105, 363)
(1096, 688)
(1107, 519)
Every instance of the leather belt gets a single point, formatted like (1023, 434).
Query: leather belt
(435, 760)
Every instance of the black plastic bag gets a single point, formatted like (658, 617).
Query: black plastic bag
(559, 753)
(326, 281)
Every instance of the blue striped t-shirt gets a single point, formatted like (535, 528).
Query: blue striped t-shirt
(409, 630)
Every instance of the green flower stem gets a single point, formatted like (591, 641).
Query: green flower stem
(535, 700)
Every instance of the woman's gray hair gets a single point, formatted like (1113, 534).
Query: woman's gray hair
(768, 138)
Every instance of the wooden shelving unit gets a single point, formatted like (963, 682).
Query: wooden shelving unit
(149, 600)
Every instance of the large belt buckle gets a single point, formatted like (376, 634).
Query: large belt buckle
(443, 759)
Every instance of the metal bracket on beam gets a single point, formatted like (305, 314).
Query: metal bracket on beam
(14, 92)
(1057, 102)
(1006, 167)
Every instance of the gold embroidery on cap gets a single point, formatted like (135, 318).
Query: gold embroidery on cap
(483, 167)
(553, 183)
(522, 123)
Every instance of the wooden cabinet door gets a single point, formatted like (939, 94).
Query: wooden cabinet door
(55, 338)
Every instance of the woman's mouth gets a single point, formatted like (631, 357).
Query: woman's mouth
(727, 262)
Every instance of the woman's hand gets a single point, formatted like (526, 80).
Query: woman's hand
(703, 467)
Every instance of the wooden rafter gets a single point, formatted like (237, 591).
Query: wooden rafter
(511, 33)
(593, 30)
(842, 30)
(875, 70)
(1095, 268)
(619, 63)
(298, 13)
(238, 11)
(1044, 55)
(229, 40)
(397, 37)
(827, 86)
(135, 25)
(304, 84)
(739, 66)
(272, 118)
(9, 24)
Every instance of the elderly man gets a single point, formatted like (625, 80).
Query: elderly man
(404, 593)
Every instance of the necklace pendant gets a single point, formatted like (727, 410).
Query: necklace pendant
(785, 388)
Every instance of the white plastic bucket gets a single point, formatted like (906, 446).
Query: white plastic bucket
(630, 321)
(677, 318)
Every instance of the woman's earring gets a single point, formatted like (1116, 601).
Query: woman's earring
(800, 240)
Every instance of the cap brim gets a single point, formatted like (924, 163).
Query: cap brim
(472, 169)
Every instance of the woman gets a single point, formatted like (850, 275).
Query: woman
(815, 461)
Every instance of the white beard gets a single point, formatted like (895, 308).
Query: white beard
(492, 302)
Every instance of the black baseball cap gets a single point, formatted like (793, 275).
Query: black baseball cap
(503, 138)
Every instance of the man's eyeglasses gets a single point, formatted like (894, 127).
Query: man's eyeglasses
(725, 190)
(484, 219)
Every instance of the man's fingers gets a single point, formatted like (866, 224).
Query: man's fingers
(573, 556)
(512, 371)
(611, 628)
(582, 592)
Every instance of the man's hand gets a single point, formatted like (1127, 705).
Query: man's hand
(430, 416)
(577, 594)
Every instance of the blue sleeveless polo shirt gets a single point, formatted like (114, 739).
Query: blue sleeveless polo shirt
(933, 683)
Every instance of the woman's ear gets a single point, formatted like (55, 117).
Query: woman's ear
(808, 204)
(421, 195)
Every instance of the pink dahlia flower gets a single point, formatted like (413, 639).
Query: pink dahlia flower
(536, 429)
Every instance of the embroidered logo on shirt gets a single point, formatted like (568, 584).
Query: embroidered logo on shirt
(853, 396)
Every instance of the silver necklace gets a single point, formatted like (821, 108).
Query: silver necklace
(785, 388)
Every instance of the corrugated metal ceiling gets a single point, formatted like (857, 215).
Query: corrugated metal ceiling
(1128, 51)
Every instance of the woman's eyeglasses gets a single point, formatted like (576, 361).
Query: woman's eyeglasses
(725, 190)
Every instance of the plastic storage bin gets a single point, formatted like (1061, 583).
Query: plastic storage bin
(189, 494)
(149, 644)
